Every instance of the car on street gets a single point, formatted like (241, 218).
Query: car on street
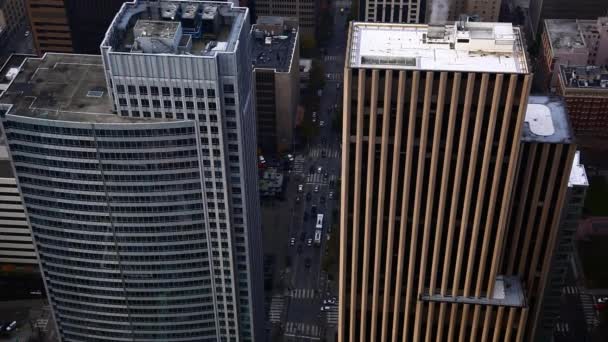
(316, 188)
(305, 218)
(311, 169)
(313, 210)
(297, 199)
(321, 123)
(325, 175)
(290, 157)
(307, 263)
(314, 117)
(325, 308)
(27, 33)
(300, 188)
(319, 169)
(328, 76)
(308, 196)
(292, 241)
(601, 303)
(309, 242)
(331, 195)
(303, 236)
(299, 249)
(322, 199)
(330, 301)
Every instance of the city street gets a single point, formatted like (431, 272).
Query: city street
(319, 171)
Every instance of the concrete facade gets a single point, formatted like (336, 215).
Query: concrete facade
(388, 11)
(440, 11)
(540, 10)
(306, 11)
(12, 19)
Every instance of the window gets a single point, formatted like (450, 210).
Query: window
(200, 93)
(131, 89)
(169, 115)
(202, 117)
(231, 124)
(145, 103)
(179, 104)
(158, 115)
(214, 130)
(143, 90)
(200, 105)
(229, 101)
(230, 113)
(122, 101)
(154, 91)
(215, 141)
(188, 92)
(228, 88)
(120, 89)
(189, 104)
(166, 91)
(147, 115)
(210, 92)
(191, 116)
(177, 92)
(213, 118)
(167, 104)
(212, 106)
(124, 112)
(133, 102)
(135, 114)
(156, 103)
(179, 116)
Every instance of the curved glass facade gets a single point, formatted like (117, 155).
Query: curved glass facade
(119, 223)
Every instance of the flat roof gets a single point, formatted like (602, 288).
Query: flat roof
(546, 121)
(586, 76)
(578, 176)
(66, 87)
(564, 34)
(462, 46)
(273, 45)
(11, 64)
(182, 27)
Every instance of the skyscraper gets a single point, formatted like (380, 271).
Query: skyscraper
(439, 11)
(433, 131)
(138, 173)
(306, 11)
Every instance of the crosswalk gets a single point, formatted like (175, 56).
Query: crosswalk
(302, 294)
(329, 58)
(303, 330)
(332, 315)
(571, 290)
(276, 309)
(317, 178)
(317, 152)
(334, 76)
(587, 301)
(298, 164)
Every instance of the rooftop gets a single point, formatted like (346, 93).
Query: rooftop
(9, 69)
(199, 28)
(564, 34)
(462, 46)
(546, 121)
(65, 87)
(578, 176)
(584, 76)
(273, 43)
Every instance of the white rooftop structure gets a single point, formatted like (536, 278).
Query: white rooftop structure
(462, 46)
(578, 176)
(538, 116)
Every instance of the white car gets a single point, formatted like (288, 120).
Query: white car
(321, 123)
(314, 116)
(330, 301)
(319, 169)
(300, 188)
(262, 160)
(316, 188)
(325, 308)
(309, 242)
(331, 195)
(290, 157)
(292, 241)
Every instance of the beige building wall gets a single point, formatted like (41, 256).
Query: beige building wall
(393, 11)
(305, 10)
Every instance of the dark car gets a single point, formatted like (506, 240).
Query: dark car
(311, 170)
(299, 249)
(322, 199)
(307, 263)
(313, 210)
(308, 196)
(305, 216)
(303, 236)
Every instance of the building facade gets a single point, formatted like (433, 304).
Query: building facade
(70, 25)
(306, 11)
(12, 19)
(562, 258)
(432, 151)
(276, 73)
(138, 173)
(585, 91)
(387, 11)
(440, 11)
(17, 251)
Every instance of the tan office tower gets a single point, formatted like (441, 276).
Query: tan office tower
(393, 11)
(433, 124)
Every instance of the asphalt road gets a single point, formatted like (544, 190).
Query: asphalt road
(307, 287)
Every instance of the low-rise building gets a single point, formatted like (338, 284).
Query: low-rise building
(12, 19)
(275, 58)
(585, 91)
